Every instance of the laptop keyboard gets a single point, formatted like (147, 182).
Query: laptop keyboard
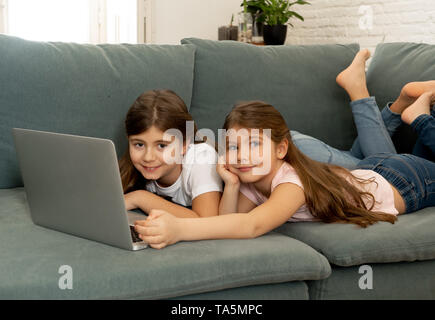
(134, 235)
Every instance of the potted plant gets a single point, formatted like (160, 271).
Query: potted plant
(275, 14)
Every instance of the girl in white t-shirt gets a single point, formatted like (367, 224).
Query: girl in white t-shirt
(168, 172)
(269, 179)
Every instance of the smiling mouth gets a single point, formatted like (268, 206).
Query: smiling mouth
(151, 169)
(245, 169)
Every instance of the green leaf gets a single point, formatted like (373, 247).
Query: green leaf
(273, 12)
(298, 16)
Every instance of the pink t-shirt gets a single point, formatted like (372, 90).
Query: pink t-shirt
(382, 191)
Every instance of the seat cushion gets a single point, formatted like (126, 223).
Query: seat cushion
(295, 290)
(383, 281)
(32, 256)
(411, 238)
(298, 80)
(80, 88)
(393, 66)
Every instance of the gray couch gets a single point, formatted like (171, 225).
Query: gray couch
(87, 89)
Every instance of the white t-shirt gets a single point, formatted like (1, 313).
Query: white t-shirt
(198, 176)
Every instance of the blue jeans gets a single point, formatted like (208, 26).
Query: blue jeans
(374, 128)
(424, 125)
(412, 176)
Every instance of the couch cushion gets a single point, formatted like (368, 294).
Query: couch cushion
(390, 281)
(394, 65)
(295, 290)
(80, 89)
(411, 238)
(32, 255)
(298, 80)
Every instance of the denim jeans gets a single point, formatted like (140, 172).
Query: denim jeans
(412, 176)
(424, 125)
(374, 128)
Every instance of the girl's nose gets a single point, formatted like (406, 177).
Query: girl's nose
(149, 155)
(243, 155)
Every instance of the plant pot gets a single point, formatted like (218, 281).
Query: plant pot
(274, 35)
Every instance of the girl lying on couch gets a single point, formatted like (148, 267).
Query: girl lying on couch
(151, 182)
(297, 188)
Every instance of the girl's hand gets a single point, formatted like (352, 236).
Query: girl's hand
(159, 230)
(227, 176)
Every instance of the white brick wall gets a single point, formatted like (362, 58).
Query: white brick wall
(341, 21)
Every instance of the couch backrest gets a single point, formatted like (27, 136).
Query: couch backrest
(80, 89)
(298, 80)
(394, 65)
(87, 89)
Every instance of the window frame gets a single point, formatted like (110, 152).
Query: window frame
(98, 20)
(3, 16)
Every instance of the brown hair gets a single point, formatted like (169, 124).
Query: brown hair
(328, 195)
(163, 109)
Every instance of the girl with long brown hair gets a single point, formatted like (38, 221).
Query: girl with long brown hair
(295, 188)
(268, 177)
(169, 172)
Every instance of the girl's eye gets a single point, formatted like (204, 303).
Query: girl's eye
(255, 143)
(138, 145)
(161, 145)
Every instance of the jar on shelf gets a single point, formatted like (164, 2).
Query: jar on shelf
(245, 26)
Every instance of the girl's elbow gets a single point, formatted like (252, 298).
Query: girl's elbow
(258, 228)
(257, 232)
(254, 230)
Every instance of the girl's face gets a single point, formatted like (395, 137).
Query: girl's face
(148, 152)
(252, 155)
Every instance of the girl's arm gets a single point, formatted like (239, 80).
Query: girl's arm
(203, 205)
(232, 199)
(244, 204)
(229, 200)
(207, 204)
(162, 229)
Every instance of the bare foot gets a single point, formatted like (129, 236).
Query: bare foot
(417, 88)
(353, 78)
(421, 106)
(410, 92)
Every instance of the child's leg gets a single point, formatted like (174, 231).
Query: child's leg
(412, 176)
(408, 95)
(410, 92)
(375, 128)
(373, 136)
(391, 121)
(391, 113)
(320, 151)
(420, 150)
(418, 116)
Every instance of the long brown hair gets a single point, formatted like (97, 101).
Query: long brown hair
(163, 109)
(328, 195)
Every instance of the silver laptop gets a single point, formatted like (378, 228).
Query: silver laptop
(73, 185)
